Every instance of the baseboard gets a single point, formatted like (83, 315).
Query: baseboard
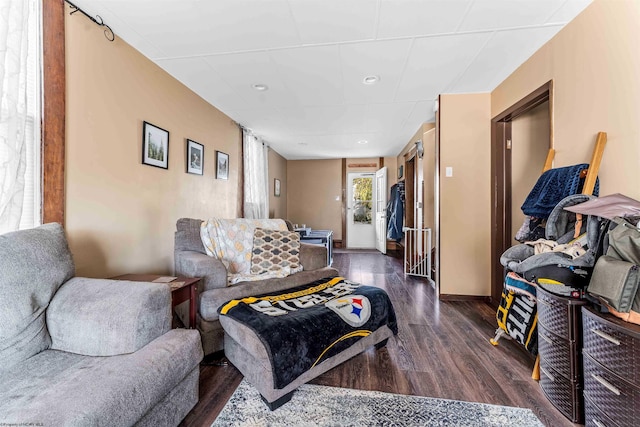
(337, 244)
(447, 297)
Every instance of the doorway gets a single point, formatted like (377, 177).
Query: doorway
(502, 194)
(361, 232)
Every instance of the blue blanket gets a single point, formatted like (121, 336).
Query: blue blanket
(303, 326)
(553, 186)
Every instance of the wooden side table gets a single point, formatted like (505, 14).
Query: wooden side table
(182, 289)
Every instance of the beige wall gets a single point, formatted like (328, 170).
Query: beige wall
(594, 63)
(465, 198)
(392, 171)
(529, 148)
(277, 170)
(314, 194)
(120, 214)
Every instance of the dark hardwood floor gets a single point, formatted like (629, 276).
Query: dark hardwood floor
(442, 350)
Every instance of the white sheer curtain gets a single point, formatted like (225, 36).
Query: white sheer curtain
(256, 185)
(19, 114)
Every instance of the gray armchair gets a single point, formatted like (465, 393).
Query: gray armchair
(191, 260)
(79, 351)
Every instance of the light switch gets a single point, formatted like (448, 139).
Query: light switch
(448, 172)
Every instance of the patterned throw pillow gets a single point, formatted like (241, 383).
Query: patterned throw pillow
(275, 250)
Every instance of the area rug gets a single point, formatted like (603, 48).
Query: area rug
(314, 405)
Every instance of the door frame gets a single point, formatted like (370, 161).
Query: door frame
(349, 223)
(501, 178)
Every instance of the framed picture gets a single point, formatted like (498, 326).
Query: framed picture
(276, 187)
(195, 157)
(155, 146)
(400, 170)
(222, 165)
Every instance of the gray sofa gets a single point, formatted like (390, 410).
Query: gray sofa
(191, 260)
(87, 352)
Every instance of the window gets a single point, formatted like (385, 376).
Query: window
(21, 80)
(256, 182)
(362, 200)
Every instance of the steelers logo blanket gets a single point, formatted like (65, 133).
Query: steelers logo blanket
(303, 326)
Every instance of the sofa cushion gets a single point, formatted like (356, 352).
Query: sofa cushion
(187, 237)
(99, 317)
(33, 265)
(57, 388)
(231, 241)
(274, 251)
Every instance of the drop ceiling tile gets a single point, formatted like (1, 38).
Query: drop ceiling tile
(196, 27)
(386, 117)
(435, 62)
(321, 146)
(408, 18)
(324, 120)
(422, 112)
(122, 30)
(313, 74)
(325, 21)
(495, 14)
(385, 59)
(241, 70)
(198, 76)
(569, 10)
(501, 56)
(263, 121)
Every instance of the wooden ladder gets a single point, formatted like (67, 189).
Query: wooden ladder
(589, 185)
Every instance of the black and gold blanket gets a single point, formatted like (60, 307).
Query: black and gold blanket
(303, 326)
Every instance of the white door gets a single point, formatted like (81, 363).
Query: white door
(381, 210)
(361, 233)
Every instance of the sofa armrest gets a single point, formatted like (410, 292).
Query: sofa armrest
(312, 257)
(99, 317)
(196, 264)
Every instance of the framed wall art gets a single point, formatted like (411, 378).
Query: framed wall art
(195, 157)
(222, 165)
(276, 187)
(155, 146)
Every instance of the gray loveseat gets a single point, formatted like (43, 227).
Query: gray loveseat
(191, 260)
(87, 352)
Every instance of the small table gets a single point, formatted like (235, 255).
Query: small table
(182, 289)
(320, 237)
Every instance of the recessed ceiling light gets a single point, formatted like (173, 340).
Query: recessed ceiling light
(363, 141)
(260, 87)
(370, 80)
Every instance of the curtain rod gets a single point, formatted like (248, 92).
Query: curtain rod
(250, 132)
(108, 32)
